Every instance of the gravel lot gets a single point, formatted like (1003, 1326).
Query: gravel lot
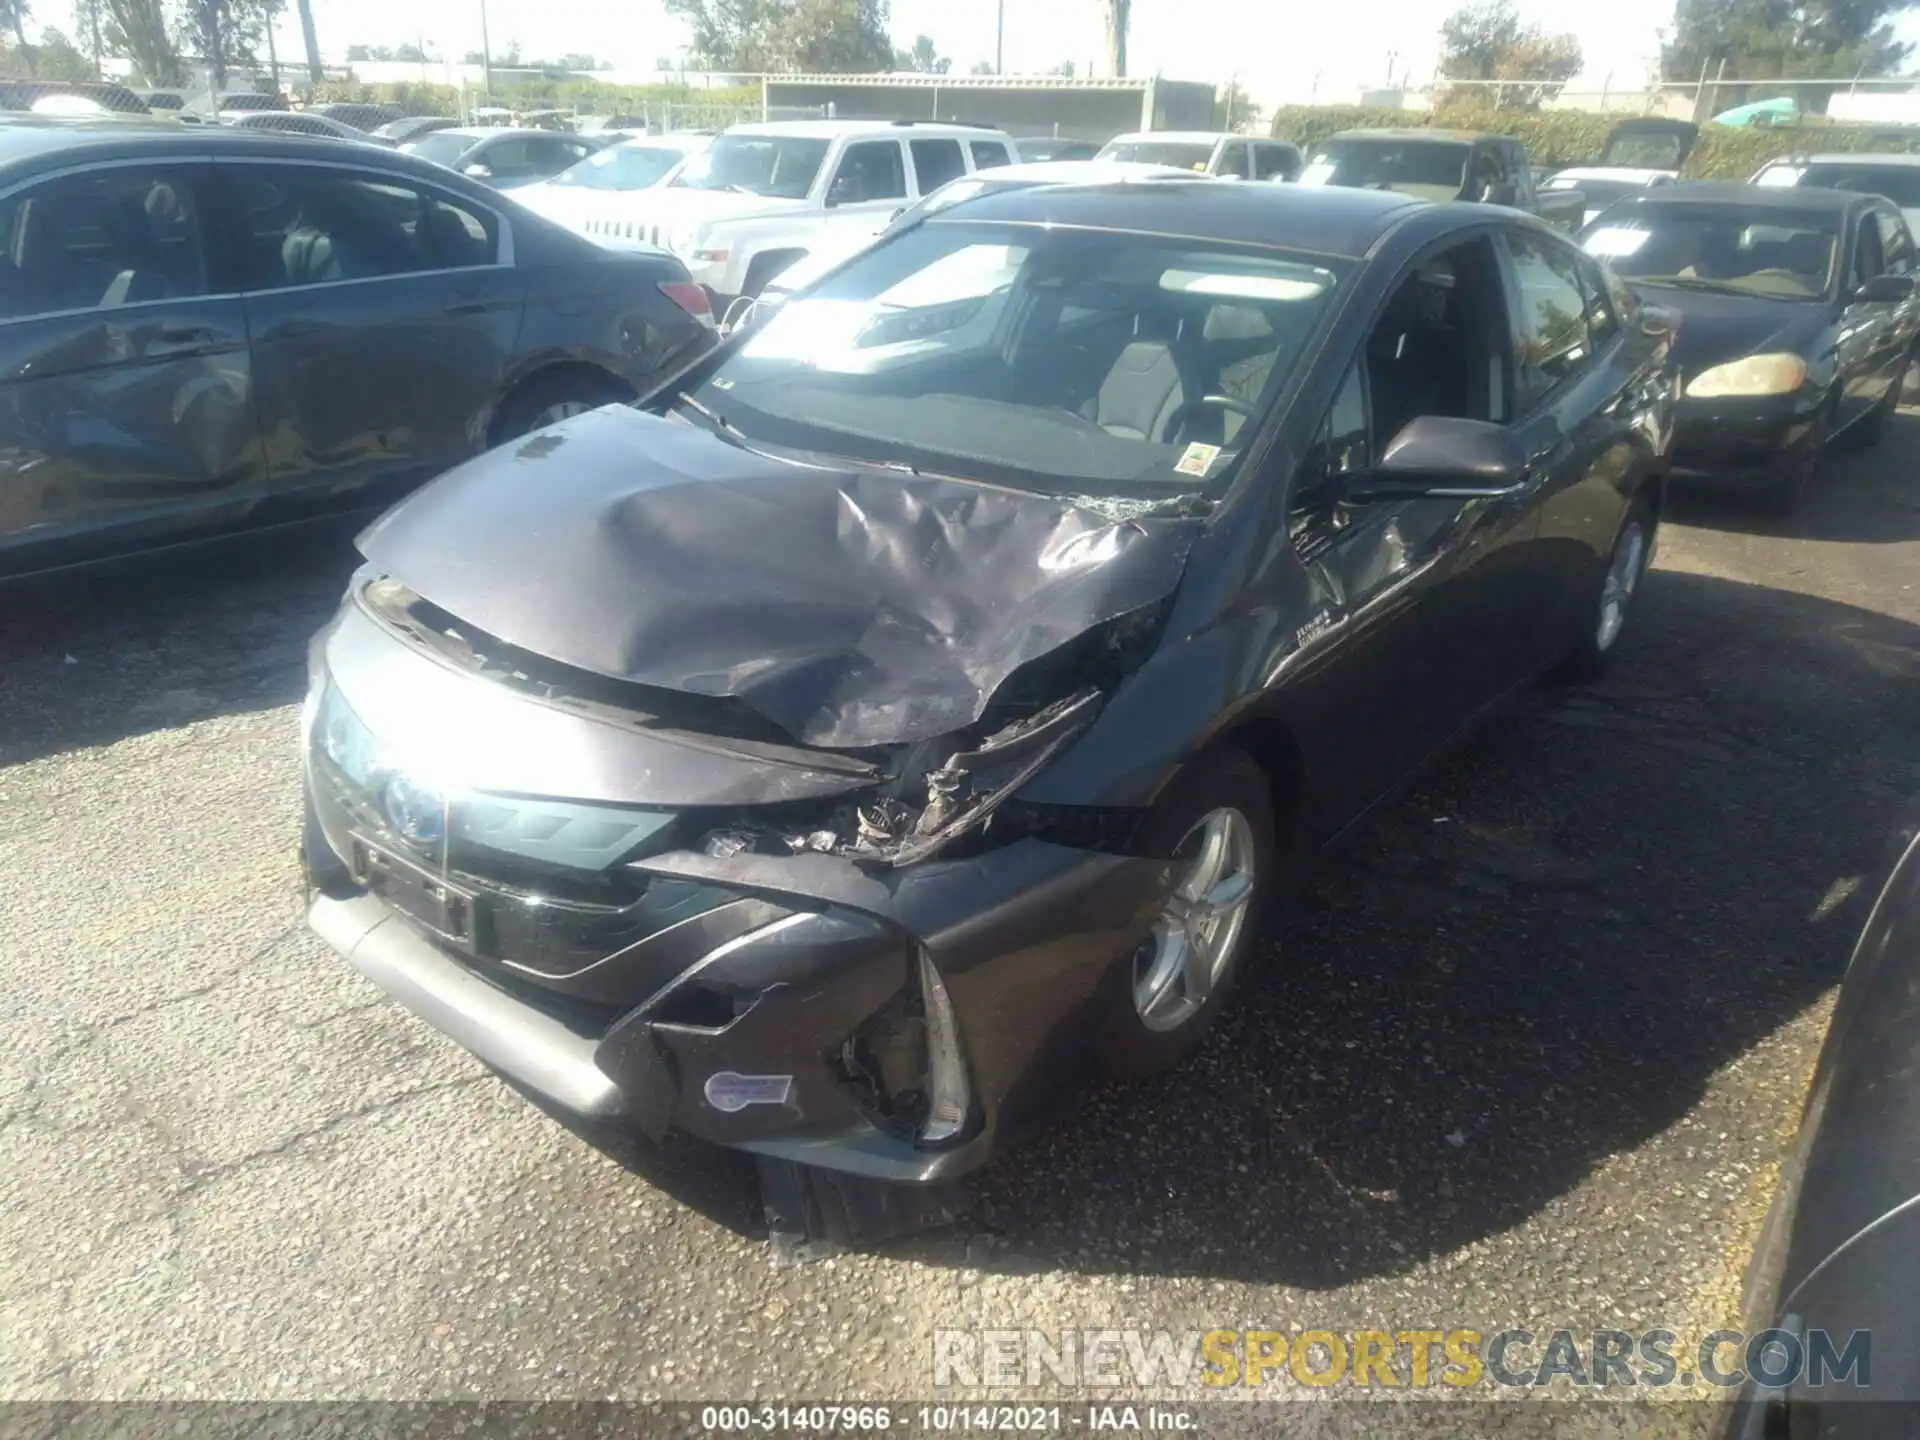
(1528, 1057)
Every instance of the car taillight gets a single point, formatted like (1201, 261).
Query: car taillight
(691, 298)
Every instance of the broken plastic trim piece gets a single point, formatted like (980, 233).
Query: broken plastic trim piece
(949, 1096)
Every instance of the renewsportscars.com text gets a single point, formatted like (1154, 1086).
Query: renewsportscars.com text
(1412, 1359)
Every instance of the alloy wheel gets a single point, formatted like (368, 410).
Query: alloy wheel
(1623, 575)
(1195, 939)
(558, 411)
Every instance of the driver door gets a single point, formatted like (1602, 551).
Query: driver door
(1864, 328)
(868, 187)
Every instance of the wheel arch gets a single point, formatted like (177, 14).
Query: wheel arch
(549, 373)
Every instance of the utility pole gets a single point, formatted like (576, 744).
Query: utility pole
(314, 72)
(1000, 40)
(486, 54)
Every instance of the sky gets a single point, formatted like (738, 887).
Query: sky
(1277, 51)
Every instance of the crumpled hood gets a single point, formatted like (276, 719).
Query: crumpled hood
(850, 607)
(1718, 328)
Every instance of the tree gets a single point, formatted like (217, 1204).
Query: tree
(1235, 109)
(809, 35)
(58, 58)
(1784, 39)
(981, 67)
(138, 30)
(412, 53)
(923, 57)
(1115, 16)
(13, 15)
(1486, 41)
(473, 57)
(223, 33)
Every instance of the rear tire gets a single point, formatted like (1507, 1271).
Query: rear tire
(1216, 819)
(548, 399)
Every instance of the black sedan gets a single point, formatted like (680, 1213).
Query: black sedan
(224, 330)
(930, 690)
(1798, 320)
(504, 159)
(1834, 1290)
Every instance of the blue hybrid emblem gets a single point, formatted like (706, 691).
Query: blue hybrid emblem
(416, 812)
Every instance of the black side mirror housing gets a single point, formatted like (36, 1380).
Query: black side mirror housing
(1885, 290)
(1501, 194)
(1441, 456)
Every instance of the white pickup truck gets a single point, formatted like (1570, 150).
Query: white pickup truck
(762, 196)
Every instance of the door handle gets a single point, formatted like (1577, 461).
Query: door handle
(179, 340)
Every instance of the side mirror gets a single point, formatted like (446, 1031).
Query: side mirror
(1444, 457)
(842, 192)
(1502, 194)
(1885, 290)
(479, 172)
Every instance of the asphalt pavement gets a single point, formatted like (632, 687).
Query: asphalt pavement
(1527, 1056)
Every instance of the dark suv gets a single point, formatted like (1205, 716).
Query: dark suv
(205, 331)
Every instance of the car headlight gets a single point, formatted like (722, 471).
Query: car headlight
(1753, 375)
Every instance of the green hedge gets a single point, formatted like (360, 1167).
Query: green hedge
(584, 96)
(1576, 137)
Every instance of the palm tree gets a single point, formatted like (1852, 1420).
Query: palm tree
(1114, 12)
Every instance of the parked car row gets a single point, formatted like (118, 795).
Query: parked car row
(218, 330)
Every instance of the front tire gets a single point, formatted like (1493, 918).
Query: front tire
(1606, 618)
(1216, 820)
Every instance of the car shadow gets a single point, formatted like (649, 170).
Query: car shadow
(164, 641)
(1536, 961)
(1859, 496)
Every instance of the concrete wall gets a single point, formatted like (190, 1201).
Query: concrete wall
(1091, 112)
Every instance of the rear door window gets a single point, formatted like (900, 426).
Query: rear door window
(989, 153)
(935, 162)
(121, 235)
(316, 225)
(1275, 162)
(1233, 159)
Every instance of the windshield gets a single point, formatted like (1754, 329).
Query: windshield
(780, 167)
(1788, 255)
(1425, 169)
(1061, 360)
(443, 147)
(1181, 154)
(624, 167)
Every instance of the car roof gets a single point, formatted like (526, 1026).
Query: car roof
(85, 139)
(1323, 219)
(1751, 197)
(1863, 157)
(1182, 137)
(1419, 132)
(1083, 172)
(832, 129)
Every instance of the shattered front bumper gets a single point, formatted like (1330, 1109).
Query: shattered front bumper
(1741, 440)
(1022, 939)
(757, 1015)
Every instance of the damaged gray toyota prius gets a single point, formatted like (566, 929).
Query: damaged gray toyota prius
(925, 695)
